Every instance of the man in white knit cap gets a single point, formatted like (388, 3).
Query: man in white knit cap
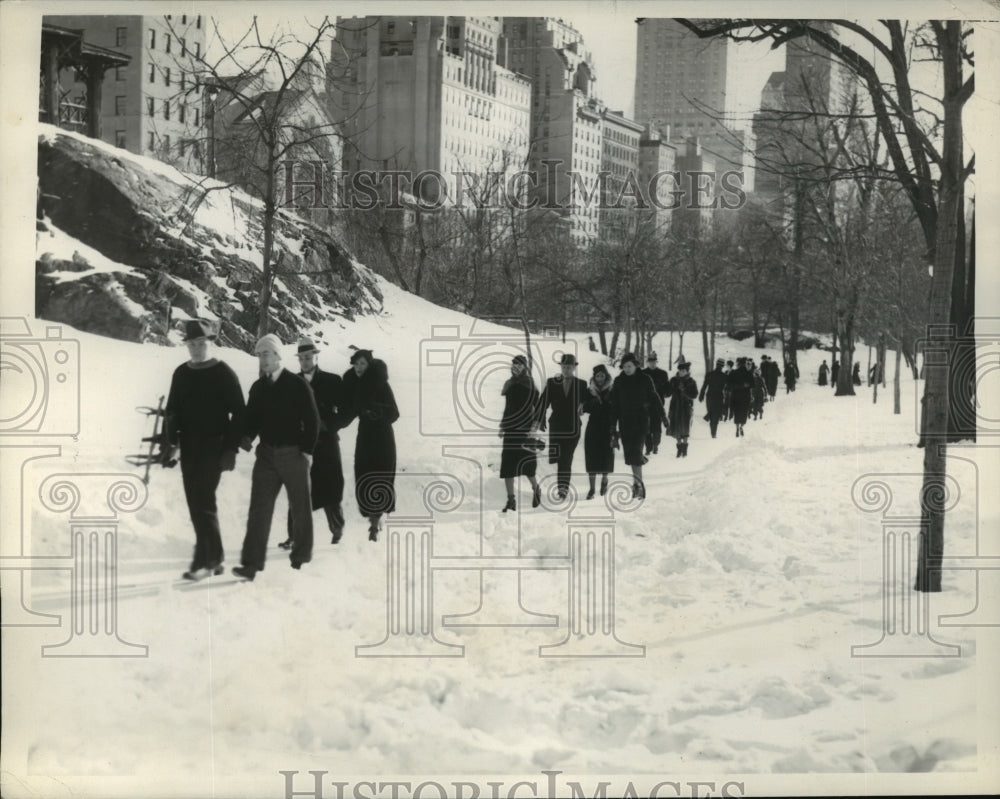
(282, 411)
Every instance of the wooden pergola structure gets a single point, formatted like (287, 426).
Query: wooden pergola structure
(65, 48)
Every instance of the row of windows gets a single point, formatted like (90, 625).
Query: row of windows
(121, 35)
(168, 43)
(167, 106)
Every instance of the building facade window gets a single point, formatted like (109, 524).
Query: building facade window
(151, 141)
(197, 49)
(150, 106)
(152, 73)
(183, 47)
(166, 109)
(120, 138)
(119, 105)
(152, 39)
(181, 111)
(166, 76)
(121, 37)
(167, 43)
(197, 22)
(119, 74)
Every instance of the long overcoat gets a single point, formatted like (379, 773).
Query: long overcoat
(682, 390)
(633, 402)
(370, 399)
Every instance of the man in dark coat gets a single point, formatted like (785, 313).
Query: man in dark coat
(565, 394)
(369, 397)
(856, 374)
(726, 409)
(326, 476)
(204, 418)
(682, 389)
(824, 372)
(791, 376)
(713, 390)
(834, 372)
(660, 380)
(740, 393)
(282, 411)
(770, 372)
(633, 401)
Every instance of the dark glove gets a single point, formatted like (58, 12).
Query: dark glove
(227, 461)
(371, 414)
(246, 443)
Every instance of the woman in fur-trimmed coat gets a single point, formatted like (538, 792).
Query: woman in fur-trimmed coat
(599, 455)
(369, 397)
(518, 423)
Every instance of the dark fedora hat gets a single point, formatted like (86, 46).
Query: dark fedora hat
(686, 365)
(628, 356)
(568, 359)
(198, 328)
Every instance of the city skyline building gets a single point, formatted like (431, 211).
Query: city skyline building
(566, 117)
(429, 94)
(682, 82)
(153, 105)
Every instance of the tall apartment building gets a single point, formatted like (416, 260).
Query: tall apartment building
(621, 192)
(681, 82)
(657, 159)
(153, 105)
(429, 94)
(566, 117)
(812, 82)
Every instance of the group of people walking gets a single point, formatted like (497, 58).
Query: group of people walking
(739, 392)
(296, 418)
(833, 373)
(629, 412)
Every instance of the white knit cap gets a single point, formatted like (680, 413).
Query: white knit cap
(268, 343)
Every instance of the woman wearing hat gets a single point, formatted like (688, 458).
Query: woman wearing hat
(519, 421)
(599, 455)
(682, 389)
(633, 399)
(368, 396)
(565, 394)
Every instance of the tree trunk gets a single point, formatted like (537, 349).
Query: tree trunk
(267, 268)
(603, 336)
(613, 350)
(845, 377)
(896, 405)
(936, 397)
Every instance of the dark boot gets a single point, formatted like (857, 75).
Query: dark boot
(511, 504)
(680, 449)
(536, 496)
(684, 449)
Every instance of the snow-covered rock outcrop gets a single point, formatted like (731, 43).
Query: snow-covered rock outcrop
(163, 245)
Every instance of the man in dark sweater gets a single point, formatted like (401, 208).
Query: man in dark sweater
(282, 411)
(204, 418)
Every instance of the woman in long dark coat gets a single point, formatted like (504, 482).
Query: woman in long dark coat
(599, 455)
(633, 400)
(369, 397)
(740, 391)
(519, 422)
(682, 389)
(824, 372)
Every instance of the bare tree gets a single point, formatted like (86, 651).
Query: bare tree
(924, 138)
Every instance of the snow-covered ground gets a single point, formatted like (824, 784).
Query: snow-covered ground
(740, 586)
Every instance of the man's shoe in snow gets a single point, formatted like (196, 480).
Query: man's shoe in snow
(245, 572)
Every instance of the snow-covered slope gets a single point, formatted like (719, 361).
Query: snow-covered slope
(746, 578)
